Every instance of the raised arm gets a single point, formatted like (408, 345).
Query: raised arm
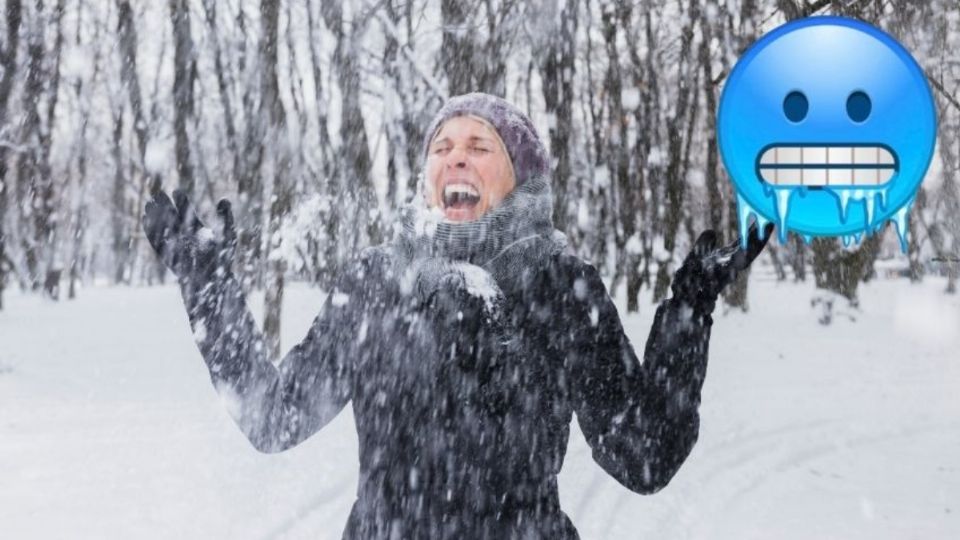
(276, 407)
(642, 420)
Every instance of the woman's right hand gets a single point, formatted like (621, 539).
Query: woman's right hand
(184, 244)
(707, 269)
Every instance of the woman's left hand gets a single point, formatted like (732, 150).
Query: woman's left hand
(440, 283)
(708, 269)
(463, 304)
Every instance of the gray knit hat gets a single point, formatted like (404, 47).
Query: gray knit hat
(529, 156)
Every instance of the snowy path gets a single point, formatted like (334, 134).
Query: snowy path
(109, 428)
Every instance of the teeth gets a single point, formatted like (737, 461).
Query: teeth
(827, 165)
(834, 155)
(790, 176)
(865, 155)
(840, 177)
(814, 154)
(813, 177)
(465, 189)
(789, 154)
(840, 155)
(826, 177)
(865, 177)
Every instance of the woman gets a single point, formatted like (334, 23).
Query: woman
(465, 345)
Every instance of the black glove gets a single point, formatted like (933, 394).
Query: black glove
(465, 319)
(437, 278)
(439, 281)
(708, 269)
(183, 243)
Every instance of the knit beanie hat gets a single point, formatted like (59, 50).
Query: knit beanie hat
(527, 153)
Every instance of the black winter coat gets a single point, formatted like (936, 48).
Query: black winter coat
(463, 411)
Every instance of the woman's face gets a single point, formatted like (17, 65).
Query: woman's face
(468, 171)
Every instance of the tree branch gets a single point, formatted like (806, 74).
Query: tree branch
(391, 29)
(943, 91)
(810, 9)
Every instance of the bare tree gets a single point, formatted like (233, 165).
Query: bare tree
(679, 131)
(648, 115)
(623, 186)
(36, 185)
(409, 102)
(474, 51)
(737, 37)
(557, 71)
(81, 212)
(184, 75)
(625, 92)
(225, 88)
(8, 61)
(943, 227)
(328, 162)
(712, 170)
(273, 116)
(124, 221)
(250, 188)
(355, 181)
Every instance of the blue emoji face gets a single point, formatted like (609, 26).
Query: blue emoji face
(826, 127)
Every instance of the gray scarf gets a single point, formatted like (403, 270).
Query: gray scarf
(512, 238)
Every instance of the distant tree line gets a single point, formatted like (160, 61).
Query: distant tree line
(309, 116)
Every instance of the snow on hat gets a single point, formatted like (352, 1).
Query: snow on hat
(526, 151)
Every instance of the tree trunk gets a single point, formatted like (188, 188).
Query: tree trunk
(678, 152)
(395, 142)
(273, 115)
(36, 186)
(623, 182)
(330, 166)
(457, 48)
(712, 174)
(81, 213)
(224, 88)
(118, 208)
(51, 228)
(362, 224)
(736, 293)
(126, 239)
(184, 75)
(250, 189)
(557, 73)
(8, 60)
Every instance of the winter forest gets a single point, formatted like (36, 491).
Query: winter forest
(309, 116)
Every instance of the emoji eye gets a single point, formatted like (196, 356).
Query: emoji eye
(858, 106)
(795, 106)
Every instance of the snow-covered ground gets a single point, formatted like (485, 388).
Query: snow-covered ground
(109, 428)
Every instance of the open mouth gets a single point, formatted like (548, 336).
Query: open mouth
(827, 165)
(459, 196)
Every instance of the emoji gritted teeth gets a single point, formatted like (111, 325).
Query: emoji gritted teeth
(827, 127)
(819, 166)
